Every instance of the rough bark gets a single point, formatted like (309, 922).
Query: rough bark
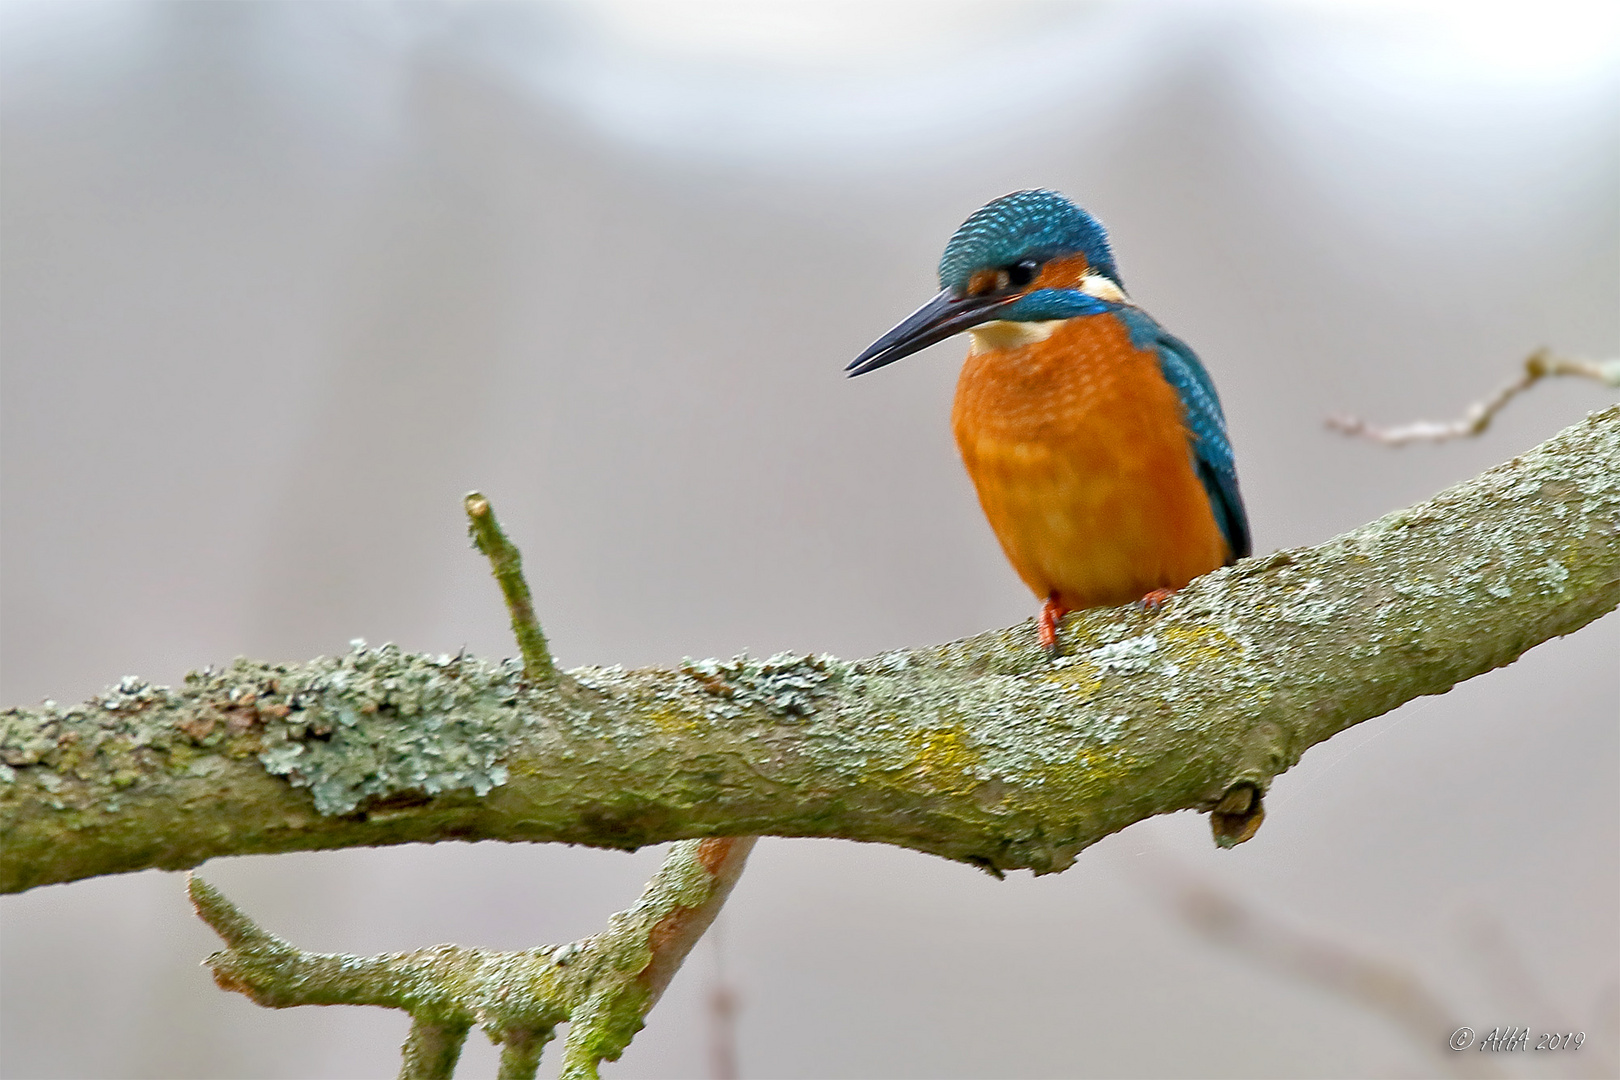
(602, 986)
(980, 750)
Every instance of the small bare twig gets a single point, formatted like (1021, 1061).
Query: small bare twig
(1384, 985)
(722, 1014)
(1478, 416)
(1508, 972)
(507, 565)
(1381, 985)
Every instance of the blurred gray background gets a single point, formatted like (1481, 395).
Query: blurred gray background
(281, 281)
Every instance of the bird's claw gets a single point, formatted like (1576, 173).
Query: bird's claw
(1154, 600)
(1046, 627)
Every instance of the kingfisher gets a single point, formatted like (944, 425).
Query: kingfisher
(1094, 438)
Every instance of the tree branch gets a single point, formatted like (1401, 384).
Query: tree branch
(602, 986)
(613, 979)
(1478, 416)
(979, 750)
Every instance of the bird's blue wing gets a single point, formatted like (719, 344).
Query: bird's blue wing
(1206, 424)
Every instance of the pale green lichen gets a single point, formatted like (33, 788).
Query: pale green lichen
(1039, 758)
(604, 680)
(1131, 656)
(25, 743)
(378, 722)
(785, 684)
(1308, 607)
(1553, 574)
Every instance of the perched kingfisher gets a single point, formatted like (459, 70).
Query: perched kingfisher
(1095, 439)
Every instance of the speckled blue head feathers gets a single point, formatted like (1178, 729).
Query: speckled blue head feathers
(1035, 224)
(992, 272)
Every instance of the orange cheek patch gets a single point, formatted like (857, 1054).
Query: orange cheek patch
(982, 282)
(1062, 273)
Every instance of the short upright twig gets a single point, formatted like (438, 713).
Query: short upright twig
(1477, 417)
(507, 565)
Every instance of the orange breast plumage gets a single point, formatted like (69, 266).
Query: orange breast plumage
(1079, 451)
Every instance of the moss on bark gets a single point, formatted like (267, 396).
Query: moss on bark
(980, 750)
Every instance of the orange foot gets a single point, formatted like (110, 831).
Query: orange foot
(1046, 627)
(1154, 600)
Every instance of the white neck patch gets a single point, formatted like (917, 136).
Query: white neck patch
(1006, 334)
(1103, 289)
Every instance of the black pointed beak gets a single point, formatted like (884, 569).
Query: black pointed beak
(946, 315)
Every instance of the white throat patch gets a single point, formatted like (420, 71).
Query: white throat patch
(1006, 334)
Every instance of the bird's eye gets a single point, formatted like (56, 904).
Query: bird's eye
(1022, 273)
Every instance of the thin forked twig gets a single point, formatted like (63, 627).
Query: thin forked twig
(506, 563)
(602, 986)
(1477, 417)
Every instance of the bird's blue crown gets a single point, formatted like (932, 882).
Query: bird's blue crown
(1035, 224)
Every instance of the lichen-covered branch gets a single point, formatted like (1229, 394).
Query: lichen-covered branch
(602, 986)
(980, 750)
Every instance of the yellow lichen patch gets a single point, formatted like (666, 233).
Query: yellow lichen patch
(1093, 767)
(1199, 644)
(674, 721)
(1081, 675)
(181, 756)
(520, 765)
(944, 758)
